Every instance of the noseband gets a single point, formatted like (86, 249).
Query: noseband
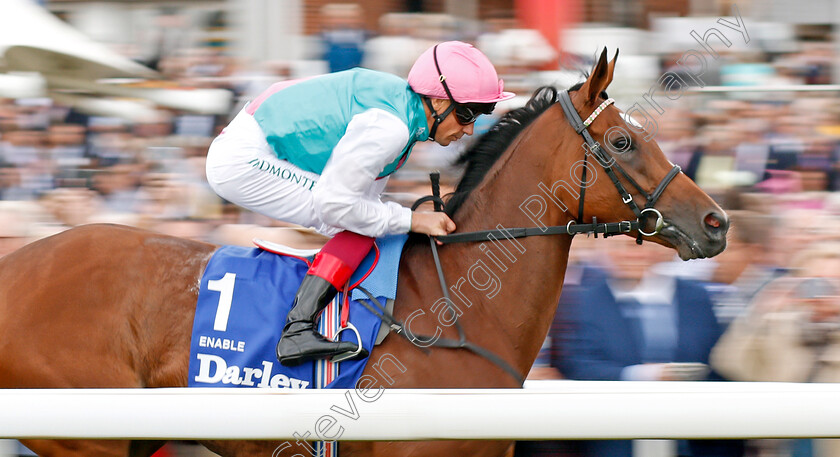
(608, 164)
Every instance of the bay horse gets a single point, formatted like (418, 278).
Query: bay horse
(110, 306)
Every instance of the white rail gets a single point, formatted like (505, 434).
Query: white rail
(544, 410)
(773, 88)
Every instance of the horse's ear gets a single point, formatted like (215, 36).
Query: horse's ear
(599, 79)
(611, 68)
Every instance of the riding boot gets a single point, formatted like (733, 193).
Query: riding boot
(301, 341)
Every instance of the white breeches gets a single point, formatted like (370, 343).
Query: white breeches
(243, 169)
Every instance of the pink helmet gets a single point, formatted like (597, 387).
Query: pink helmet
(467, 72)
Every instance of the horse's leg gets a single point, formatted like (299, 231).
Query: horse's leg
(144, 448)
(427, 449)
(257, 448)
(365, 448)
(510, 450)
(78, 448)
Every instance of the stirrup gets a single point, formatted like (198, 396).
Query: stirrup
(348, 355)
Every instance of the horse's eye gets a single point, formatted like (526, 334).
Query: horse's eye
(621, 145)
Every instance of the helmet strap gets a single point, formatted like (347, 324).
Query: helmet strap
(438, 117)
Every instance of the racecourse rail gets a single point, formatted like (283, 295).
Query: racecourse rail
(543, 410)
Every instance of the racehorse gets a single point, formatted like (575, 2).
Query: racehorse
(112, 306)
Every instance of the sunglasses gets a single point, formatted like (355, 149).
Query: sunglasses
(465, 115)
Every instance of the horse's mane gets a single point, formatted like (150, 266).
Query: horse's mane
(481, 156)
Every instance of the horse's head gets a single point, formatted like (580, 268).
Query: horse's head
(675, 212)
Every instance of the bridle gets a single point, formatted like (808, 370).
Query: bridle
(608, 164)
(577, 226)
(572, 228)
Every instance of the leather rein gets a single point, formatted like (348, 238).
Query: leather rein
(574, 227)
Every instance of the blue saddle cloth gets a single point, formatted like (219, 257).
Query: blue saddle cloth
(242, 304)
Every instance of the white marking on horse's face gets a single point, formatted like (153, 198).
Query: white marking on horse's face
(629, 119)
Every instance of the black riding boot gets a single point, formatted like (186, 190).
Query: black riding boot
(300, 341)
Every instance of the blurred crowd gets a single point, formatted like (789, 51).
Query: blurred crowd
(767, 309)
(61, 167)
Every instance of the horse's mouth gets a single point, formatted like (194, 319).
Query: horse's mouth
(687, 247)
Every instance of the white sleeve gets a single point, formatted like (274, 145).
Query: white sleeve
(342, 197)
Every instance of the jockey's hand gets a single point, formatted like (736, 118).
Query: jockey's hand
(431, 223)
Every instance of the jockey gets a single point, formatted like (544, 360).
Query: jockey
(318, 152)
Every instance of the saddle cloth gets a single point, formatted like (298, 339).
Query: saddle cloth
(243, 300)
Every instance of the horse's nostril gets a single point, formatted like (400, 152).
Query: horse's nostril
(712, 221)
(715, 223)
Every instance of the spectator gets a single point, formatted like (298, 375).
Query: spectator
(344, 36)
(162, 196)
(514, 49)
(117, 186)
(627, 323)
(10, 183)
(394, 50)
(68, 207)
(790, 333)
(745, 267)
(170, 35)
(16, 219)
(66, 147)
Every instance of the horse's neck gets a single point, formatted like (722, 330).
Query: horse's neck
(529, 271)
(514, 286)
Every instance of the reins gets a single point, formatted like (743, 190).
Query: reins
(573, 227)
(461, 342)
(577, 227)
(399, 328)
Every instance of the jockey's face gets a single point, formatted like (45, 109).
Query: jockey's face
(449, 130)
